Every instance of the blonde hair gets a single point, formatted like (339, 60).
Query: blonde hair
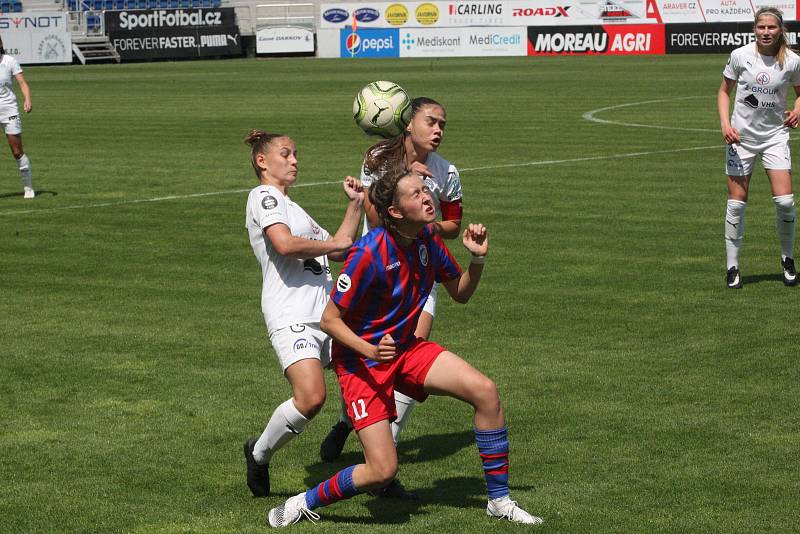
(783, 41)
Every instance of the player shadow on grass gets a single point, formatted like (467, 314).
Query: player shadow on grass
(756, 278)
(39, 192)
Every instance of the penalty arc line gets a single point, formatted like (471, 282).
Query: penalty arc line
(315, 184)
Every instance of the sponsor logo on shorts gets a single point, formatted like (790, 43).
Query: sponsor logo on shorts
(732, 150)
(297, 328)
(343, 283)
(269, 202)
(423, 255)
(304, 344)
(735, 164)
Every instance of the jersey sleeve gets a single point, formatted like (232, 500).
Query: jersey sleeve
(14, 66)
(447, 267)
(269, 207)
(795, 76)
(354, 279)
(732, 68)
(450, 197)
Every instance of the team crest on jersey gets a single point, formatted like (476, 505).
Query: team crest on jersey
(423, 255)
(343, 283)
(269, 202)
(762, 78)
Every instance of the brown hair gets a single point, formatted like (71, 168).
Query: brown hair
(388, 157)
(258, 141)
(381, 195)
(2, 48)
(783, 41)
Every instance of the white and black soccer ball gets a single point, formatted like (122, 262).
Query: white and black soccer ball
(382, 108)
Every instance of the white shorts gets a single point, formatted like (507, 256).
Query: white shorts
(12, 124)
(301, 342)
(430, 304)
(740, 157)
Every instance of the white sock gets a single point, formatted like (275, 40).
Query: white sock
(734, 230)
(24, 166)
(785, 216)
(286, 423)
(404, 406)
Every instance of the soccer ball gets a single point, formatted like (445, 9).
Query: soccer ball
(382, 108)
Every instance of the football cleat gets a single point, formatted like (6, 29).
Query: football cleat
(290, 512)
(789, 274)
(29, 192)
(332, 445)
(505, 508)
(394, 490)
(257, 474)
(734, 278)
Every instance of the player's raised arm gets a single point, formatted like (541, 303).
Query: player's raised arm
(476, 240)
(352, 216)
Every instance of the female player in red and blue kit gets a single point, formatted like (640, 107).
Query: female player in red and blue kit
(372, 315)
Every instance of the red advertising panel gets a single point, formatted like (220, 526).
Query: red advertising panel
(630, 39)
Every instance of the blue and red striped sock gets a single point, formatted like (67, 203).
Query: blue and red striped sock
(339, 486)
(493, 448)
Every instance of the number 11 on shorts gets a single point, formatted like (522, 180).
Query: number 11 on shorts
(357, 415)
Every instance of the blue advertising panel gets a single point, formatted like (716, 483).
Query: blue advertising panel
(369, 42)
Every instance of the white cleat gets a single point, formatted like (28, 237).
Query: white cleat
(291, 512)
(29, 193)
(505, 508)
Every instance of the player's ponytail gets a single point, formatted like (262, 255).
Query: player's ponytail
(381, 195)
(2, 48)
(258, 141)
(783, 40)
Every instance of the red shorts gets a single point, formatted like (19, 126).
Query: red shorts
(369, 392)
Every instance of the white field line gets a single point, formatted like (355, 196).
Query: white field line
(590, 115)
(315, 184)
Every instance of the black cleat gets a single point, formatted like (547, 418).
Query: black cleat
(734, 278)
(395, 490)
(257, 475)
(332, 445)
(789, 274)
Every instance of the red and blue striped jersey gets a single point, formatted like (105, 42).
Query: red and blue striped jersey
(383, 286)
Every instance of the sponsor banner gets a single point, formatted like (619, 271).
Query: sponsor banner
(721, 37)
(369, 42)
(606, 40)
(173, 33)
(284, 40)
(463, 42)
(37, 37)
(676, 11)
(173, 43)
(513, 13)
(157, 19)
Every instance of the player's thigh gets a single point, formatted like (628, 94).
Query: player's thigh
(450, 375)
(307, 380)
(738, 187)
(780, 181)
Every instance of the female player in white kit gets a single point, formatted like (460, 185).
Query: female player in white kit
(293, 251)
(9, 115)
(415, 150)
(762, 73)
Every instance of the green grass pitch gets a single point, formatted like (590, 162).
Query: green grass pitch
(641, 394)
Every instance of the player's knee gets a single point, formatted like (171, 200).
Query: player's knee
(385, 473)
(309, 403)
(486, 395)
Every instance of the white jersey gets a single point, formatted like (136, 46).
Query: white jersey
(293, 291)
(8, 100)
(444, 182)
(761, 89)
